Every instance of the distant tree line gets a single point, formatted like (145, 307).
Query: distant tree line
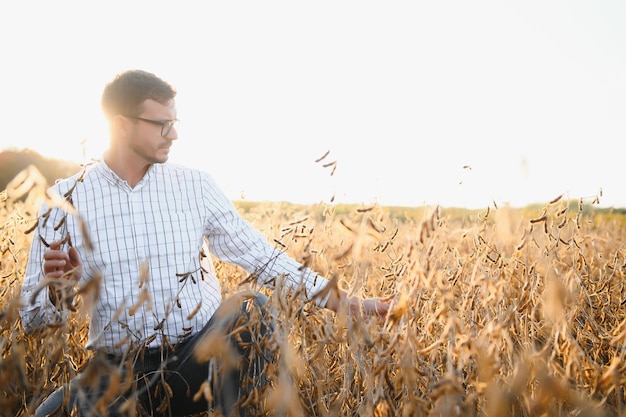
(13, 161)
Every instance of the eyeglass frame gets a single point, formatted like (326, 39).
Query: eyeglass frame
(169, 123)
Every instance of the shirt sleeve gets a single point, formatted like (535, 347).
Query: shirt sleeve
(233, 239)
(37, 309)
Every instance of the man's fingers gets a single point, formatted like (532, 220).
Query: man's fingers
(75, 263)
(56, 244)
(55, 274)
(58, 264)
(54, 255)
(53, 265)
(56, 261)
(73, 255)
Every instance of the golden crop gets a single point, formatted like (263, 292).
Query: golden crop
(496, 312)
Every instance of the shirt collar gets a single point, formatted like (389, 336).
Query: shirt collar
(108, 174)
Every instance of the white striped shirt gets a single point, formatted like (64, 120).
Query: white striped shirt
(162, 223)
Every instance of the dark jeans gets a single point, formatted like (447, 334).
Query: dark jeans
(229, 354)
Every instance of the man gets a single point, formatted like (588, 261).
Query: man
(134, 227)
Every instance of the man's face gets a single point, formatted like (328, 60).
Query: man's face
(152, 134)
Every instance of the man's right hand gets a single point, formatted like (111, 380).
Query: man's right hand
(65, 269)
(57, 263)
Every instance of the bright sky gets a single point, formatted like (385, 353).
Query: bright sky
(457, 103)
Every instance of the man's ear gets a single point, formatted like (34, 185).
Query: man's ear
(120, 125)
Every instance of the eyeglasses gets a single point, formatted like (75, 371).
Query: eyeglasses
(166, 125)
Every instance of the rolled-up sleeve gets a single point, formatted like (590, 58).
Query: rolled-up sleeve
(37, 310)
(233, 239)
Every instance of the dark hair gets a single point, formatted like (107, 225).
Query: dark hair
(125, 94)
